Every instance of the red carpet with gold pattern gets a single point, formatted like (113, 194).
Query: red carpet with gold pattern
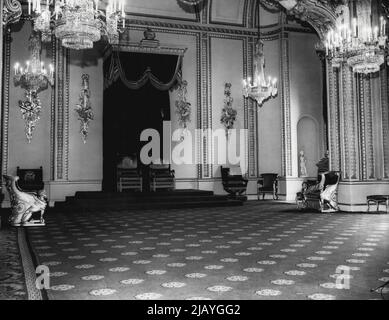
(259, 251)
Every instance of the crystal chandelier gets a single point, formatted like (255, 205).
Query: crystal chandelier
(261, 88)
(34, 78)
(357, 41)
(78, 23)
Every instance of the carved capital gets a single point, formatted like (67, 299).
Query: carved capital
(12, 11)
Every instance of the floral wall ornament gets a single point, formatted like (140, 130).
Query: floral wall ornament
(84, 108)
(183, 107)
(31, 110)
(228, 116)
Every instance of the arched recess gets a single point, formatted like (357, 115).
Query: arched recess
(309, 141)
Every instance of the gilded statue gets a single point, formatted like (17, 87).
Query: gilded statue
(24, 204)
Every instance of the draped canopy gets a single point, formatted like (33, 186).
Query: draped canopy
(136, 97)
(134, 69)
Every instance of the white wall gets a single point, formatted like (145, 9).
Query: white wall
(306, 92)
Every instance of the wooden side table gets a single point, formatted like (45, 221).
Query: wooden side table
(377, 200)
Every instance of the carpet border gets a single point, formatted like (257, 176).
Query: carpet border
(28, 265)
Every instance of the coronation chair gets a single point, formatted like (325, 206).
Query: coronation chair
(321, 196)
(30, 180)
(268, 183)
(233, 181)
(162, 177)
(128, 175)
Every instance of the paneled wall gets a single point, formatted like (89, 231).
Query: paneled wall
(359, 126)
(219, 50)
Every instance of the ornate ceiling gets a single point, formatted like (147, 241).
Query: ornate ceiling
(320, 14)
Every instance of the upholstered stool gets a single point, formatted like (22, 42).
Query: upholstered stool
(377, 200)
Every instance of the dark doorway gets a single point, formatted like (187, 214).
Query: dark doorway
(133, 106)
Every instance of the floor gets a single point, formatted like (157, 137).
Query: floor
(263, 250)
(11, 272)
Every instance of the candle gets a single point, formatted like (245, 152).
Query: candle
(354, 27)
(381, 26)
(29, 7)
(375, 33)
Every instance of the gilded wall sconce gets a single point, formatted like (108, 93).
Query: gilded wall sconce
(33, 78)
(228, 116)
(84, 108)
(183, 107)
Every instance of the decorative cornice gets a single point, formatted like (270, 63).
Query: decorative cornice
(12, 11)
(235, 30)
(161, 49)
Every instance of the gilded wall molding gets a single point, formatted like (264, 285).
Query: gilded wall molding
(333, 115)
(361, 88)
(199, 99)
(52, 112)
(5, 105)
(385, 120)
(251, 113)
(349, 123)
(286, 153)
(250, 16)
(204, 16)
(370, 168)
(62, 113)
(1, 91)
(206, 106)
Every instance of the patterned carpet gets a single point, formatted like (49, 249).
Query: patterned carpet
(11, 272)
(258, 251)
